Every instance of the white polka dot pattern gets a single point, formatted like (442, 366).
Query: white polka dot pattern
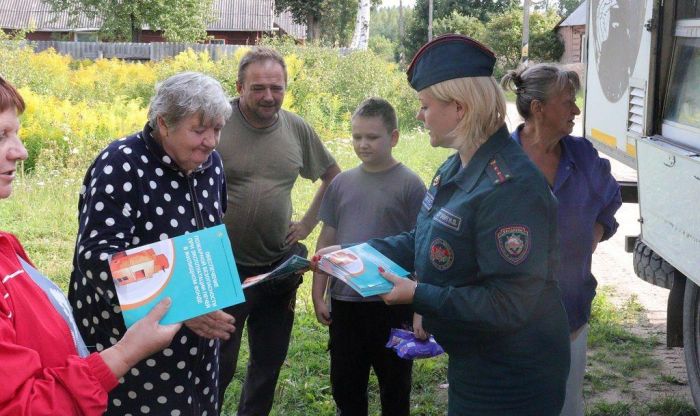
(134, 194)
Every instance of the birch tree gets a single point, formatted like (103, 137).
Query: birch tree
(360, 37)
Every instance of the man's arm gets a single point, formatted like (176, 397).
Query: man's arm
(326, 238)
(301, 229)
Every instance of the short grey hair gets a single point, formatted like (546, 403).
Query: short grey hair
(538, 82)
(185, 94)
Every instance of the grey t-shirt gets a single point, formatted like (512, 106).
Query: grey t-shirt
(261, 167)
(362, 205)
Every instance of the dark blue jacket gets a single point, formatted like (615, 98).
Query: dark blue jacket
(484, 251)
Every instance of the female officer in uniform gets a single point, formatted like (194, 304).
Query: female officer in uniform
(484, 247)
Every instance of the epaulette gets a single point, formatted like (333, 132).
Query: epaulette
(498, 171)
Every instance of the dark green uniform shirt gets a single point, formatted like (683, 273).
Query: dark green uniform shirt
(484, 251)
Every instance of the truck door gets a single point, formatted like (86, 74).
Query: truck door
(668, 162)
(618, 99)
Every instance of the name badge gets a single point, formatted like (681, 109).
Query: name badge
(448, 219)
(428, 201)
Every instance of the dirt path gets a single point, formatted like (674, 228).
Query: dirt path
(613, 268)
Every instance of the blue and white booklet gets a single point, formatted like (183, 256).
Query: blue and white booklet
(196, 270)
(358, 266)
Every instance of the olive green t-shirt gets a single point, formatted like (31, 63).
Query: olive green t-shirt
(261, 166)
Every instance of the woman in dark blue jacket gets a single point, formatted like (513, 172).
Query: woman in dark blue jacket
(484, 248)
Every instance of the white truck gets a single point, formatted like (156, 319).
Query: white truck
(642, 107)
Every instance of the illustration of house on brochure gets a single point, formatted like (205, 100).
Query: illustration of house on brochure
(130, 268)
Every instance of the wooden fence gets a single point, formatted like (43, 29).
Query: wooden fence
(130, 51)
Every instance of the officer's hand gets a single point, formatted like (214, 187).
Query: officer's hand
(217, 324)
(320, 253)
(323, 315)
(403, 290)
(297, 231)
(418, 330)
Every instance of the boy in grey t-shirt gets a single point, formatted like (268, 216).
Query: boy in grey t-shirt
(379, 198)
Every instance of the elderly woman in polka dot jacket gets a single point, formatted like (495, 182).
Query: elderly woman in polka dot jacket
(44, 365)
(164, 181)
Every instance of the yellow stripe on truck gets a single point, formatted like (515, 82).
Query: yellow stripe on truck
(604, 138)
(631, 150)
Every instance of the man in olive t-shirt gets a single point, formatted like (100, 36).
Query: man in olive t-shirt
(264, 149)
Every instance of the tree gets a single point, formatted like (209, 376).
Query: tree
(180, 20)
(327, 20)
(417, 31)
(463, 25)
(566, 7)
(504, 32)
(545, 44)
(360, 37)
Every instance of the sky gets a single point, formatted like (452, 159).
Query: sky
(395, 3)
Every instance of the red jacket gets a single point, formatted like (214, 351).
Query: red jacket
(40, 370)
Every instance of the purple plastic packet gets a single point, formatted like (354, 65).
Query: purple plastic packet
(408, 347)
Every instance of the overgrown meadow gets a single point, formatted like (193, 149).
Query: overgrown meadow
(74, 108)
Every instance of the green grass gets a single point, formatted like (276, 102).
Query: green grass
(615, 354)
(670, 406)
(665, 406)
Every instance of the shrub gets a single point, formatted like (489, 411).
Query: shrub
(76, 107)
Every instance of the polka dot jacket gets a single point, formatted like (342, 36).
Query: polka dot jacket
(134, 194)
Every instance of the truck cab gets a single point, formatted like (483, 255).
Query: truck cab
(642, 107)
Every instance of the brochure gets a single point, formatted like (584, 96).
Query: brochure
(358, 266)
(294, 264)
(196, 270)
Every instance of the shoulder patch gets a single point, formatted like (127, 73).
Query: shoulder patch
(498, 171)
(513, 243)
(441, 254)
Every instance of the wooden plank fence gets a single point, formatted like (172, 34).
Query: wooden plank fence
(154, 51)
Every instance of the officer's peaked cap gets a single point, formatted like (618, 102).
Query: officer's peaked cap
(449, 57)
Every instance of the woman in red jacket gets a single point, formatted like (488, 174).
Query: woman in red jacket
(44, 365)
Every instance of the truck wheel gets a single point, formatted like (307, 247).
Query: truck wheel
(691, 338)
(652, 268)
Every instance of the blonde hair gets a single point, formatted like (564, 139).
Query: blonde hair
(484, 104)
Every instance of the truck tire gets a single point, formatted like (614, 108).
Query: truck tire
(652, 268)
(691, 338)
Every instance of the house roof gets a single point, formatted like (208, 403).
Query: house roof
(36, 15)
(577, 17)
(228, 15)
(285, 22)
(242, 15)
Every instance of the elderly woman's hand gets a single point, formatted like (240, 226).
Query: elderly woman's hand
(403, 290)
(217, 324)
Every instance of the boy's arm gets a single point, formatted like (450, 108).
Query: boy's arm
(326, 238)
